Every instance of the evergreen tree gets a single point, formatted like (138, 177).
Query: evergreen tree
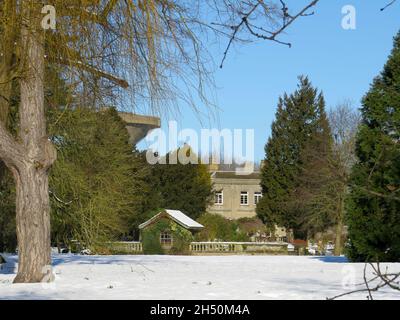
(374, 203)
(300, 119)
(88, 142)
(92, 184)
(185, 187)
(314, 197)
(148, 199)
(99, 188)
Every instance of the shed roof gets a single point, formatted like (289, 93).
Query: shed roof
(176, 215)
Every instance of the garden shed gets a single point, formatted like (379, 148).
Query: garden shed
(169, 231)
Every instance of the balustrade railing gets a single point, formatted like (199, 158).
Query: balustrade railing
(126, 246)
(238, 247)
(135, 247)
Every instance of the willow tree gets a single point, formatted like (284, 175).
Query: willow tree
(101, 48)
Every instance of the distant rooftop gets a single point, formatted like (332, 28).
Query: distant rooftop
(235, 175)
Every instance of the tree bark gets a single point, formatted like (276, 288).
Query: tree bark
(30, 156)
(32, 182)
(33, 224)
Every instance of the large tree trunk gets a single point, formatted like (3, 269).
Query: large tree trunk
(30, 157)
(33, 224)
(32, 183)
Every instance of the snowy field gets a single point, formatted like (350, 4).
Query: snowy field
(193, 277)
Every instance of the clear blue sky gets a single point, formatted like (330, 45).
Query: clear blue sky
(342, 63)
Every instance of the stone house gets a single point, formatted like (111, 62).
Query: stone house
(236, 197)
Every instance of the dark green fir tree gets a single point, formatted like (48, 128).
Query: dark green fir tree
(300, 118)
(186, 187)
(373, 206)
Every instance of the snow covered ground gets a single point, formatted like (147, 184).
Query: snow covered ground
(193, 277)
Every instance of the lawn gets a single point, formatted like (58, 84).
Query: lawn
(193, 277)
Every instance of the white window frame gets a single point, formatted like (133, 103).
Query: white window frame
(257, 197)
(217, 198)
(246, 195)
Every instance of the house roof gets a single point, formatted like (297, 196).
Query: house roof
(234, 175)
(176, 215)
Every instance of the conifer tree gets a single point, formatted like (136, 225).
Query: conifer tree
(314, 198)
(374, 203)
(92, 184)
(185, 187)
(299, 118)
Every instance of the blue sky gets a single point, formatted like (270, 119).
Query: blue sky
(342, 63)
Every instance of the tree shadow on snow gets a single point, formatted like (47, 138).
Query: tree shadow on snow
(331, 259)
(10, 266)
(63, 259)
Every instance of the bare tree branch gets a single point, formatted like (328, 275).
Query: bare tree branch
(379, 194)
(261, 32)
(366, 282)
(388, 5)
(386, 278)
(100, 73)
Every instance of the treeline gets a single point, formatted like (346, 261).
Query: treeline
(101, 187)
(329, 170)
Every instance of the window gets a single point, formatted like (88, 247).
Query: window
(219, 198)
(257, 197)
(244, 198)
(166, 239)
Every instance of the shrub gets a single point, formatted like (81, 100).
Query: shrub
(219, 228)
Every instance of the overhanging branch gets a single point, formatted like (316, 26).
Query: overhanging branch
(93, 70)
(260, 32)
(388, 5)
